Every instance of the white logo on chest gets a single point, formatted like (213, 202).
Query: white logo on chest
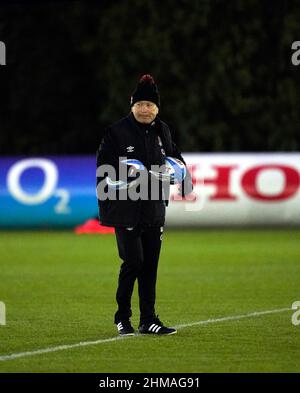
(130, 149)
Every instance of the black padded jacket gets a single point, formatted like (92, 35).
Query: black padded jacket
(149, 144)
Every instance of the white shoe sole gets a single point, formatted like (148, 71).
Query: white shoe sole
(157, 334)
(126, 334)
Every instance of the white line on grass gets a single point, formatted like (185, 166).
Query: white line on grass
(234, 317)
(102, 341)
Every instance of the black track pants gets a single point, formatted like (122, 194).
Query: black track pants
(139, 248)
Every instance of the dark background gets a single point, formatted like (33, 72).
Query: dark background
(223, 69)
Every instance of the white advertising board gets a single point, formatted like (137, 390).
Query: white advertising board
(239, 189)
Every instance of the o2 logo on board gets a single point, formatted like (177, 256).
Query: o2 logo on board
(46, 191)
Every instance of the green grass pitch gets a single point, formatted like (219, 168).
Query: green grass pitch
(59, 289)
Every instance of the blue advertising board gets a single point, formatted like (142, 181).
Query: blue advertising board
(47, 192)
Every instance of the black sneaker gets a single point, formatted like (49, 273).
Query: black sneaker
(156, 327)
(125, 328)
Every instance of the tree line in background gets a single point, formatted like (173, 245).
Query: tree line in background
(223, 69)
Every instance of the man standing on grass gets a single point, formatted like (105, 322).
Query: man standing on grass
(143, 137)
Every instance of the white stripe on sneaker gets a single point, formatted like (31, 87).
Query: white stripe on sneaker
(154, 328)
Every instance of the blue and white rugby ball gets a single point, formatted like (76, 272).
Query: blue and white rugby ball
(134, 166)
(174, 171)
